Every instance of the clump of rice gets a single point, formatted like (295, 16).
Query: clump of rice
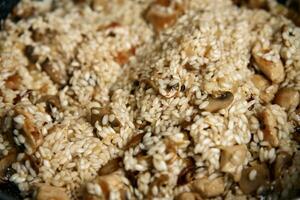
(154, 90)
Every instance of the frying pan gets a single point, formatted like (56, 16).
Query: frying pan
(8, 190)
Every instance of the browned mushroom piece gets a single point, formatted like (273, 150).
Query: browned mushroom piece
(47, 192)
(296, 134)
(146, 159)
(111, 166)
(209, 188)
(232, 159)
(257, 3)
(287, 98)
(56, 74)
(188, 196)
(186, 175)
(6, 161)
(269, 127)
(134, 141)
(220, 102)
(261, 83)
(254, 177)
(50, 100)
(103, 186)
(33, 137)
(98, 3)
(274, 71)
(283, 161)
(104, 116)
(122, 57)
(13, 82)
(29, 53)
(161, 19)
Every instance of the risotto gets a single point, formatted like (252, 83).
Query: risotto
(183, 99)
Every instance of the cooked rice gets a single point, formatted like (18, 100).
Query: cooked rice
(122, 89)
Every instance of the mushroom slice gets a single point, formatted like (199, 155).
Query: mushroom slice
(296, 134)
(122, 57)
(33, 137)
(160, 20)
(269, 127)
(283, 161)
(262, 84)
(232, 158)
(56, 74)
(6, 161)
(209, 188)
(164, 13)
(287, 98)
(29, 53)
(217, 103)
(13, 82)
(111, 166)
(254, 177)
(103, 186)
(134, 141)
(188, 196)
(47, 192)
(273, 70)
(186, 175)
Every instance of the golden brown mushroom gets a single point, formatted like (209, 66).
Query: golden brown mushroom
(209, 188)
(13, 82)
(47, 192)
(134, 141)
(6, 161)
(287, 98)
(269, 127)
(217, 103)
(188, 196)
(111, 166)
(253, 177)
(232, 158)
(103, 186)
(283, 161)
(56, 74)
(33, 137)
(273, 70)
(261, 83)
(160, 19)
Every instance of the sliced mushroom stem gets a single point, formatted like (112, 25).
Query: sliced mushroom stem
(217, 103)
